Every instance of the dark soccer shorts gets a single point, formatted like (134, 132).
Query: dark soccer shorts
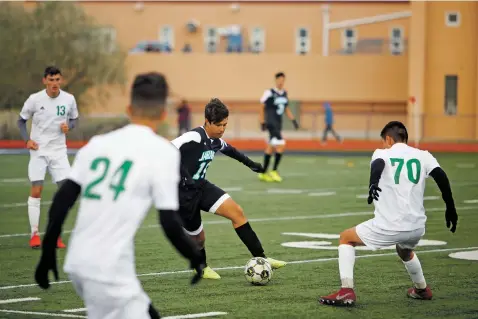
(207, 197)
(275, 135)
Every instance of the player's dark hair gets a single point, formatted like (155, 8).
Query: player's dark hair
(51, 70)
(279, 74)
(216, 111)
(396, 130)
(149, 92)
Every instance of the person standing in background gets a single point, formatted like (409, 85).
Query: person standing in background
(184, 117)
(329, 122)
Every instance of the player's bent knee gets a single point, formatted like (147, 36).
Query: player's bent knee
(36, 190)
(349, 237)
(405, 254)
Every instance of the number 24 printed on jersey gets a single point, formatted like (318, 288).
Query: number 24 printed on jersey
(116, 181)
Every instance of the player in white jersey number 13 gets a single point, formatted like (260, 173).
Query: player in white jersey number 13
(397, 186)
(118, 176)
(53, 113)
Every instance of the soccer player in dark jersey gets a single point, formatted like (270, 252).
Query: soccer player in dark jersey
(198, 148)
(275, 102)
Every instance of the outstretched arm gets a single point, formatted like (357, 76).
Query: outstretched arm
(291, 116)
(232, 152)
(376, 169)
(443, 183)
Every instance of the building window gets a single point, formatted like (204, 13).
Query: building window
(302, 41)
(211, 39)
(166, 38)
(451, 94)
(452, 19)
(396, 40)
(257, 40)
(349, 40)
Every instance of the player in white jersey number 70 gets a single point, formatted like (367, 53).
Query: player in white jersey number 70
(53, 113)
(398, 174)
(117, 177)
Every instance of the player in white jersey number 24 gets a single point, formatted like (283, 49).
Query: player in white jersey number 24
(398, 172)
(117, 177)
(53, 113)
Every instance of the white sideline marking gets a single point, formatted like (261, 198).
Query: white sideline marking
(323, 194)
(75, 310)
(467, 255)
(13, 180)
(48, 314)
(471, 201)
(465, 165)
(23, 204)
(362, 196)
(431, 197)
(285, 191)
(272, 219)
(232, 189)
(174, 272)
(2, 302)
(197, 315)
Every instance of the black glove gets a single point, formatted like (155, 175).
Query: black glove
(296, 125)
(263, 126)
(198, 275)
(373, 193)
(451, 217)
(47, 263)
(256, 167)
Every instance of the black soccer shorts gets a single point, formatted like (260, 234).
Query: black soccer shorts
(275, 135)
(206, 197)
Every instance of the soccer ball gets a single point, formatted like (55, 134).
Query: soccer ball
(258, 271)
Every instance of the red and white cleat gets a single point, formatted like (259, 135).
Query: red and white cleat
(344, 297)
(423, 294)
(35, 241)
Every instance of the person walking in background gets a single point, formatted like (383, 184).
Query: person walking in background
(329, 122)
(184, 117)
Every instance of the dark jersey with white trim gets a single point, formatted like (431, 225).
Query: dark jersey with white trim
(275, 103)
(198, 150)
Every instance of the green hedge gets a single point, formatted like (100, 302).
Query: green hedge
(87, 126)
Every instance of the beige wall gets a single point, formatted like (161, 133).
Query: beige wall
(279, 20)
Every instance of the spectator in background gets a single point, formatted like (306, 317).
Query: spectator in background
(329, 122)
(184, 117)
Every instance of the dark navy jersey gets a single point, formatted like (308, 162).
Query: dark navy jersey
(198, 150)
(275, 103)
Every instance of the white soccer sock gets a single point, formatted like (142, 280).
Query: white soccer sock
(346, 265)
(415, 271)
(34, 213)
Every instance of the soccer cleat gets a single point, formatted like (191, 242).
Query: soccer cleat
(209, 273)
(344, 297)
(35, 241)
(60, 244)
(276, 264)
(423, 294)
(275, 176)
(264, 177)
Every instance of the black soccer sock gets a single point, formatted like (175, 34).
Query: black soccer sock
(277, 160)
(153, 313)
(267, 159)
(203, 256)
(249, 238)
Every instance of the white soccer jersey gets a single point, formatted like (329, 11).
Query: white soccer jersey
(400, 205)
(47, 114)
(121, 174)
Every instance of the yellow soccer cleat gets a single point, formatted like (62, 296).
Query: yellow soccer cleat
(208, 273)
(275, 176)
(276, 264)
(264, 177)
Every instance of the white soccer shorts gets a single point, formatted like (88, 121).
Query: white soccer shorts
(57, 165)
(112, 301)
(377, 238)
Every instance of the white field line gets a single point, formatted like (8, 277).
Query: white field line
(75, 310)
(271, 219)
(7, 301)
(471, 201)
(193, 315)
(46, 314)
(165, 273)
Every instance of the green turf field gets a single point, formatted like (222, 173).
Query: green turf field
(319, 195)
